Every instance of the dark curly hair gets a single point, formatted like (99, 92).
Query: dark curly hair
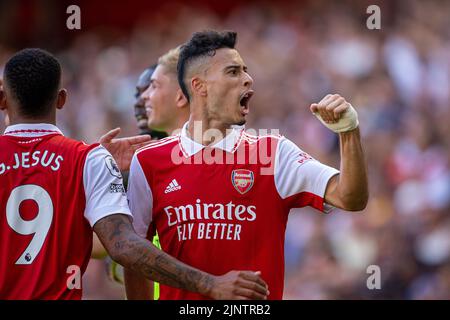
(34, 76)
(202, 44)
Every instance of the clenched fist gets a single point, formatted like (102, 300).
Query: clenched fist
(239, 285)
(335, 113)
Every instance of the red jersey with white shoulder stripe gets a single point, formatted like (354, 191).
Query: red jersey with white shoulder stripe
(52, 191)
(224, 207)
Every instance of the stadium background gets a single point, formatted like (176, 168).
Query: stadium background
(398, 78)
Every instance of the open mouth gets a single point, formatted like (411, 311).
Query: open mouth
(244, 101)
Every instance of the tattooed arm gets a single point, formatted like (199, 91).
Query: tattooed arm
(141, 256)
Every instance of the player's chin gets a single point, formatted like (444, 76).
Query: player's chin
(240, 121)
(152, 123)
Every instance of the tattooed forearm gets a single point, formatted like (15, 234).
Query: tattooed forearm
(138, 254)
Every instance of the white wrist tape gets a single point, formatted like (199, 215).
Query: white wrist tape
(347, 122)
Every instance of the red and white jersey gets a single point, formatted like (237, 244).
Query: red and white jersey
(224, 207)
(52, 191)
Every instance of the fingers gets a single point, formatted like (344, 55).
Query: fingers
(255, 277)
(254, 287)
(241, 298)
(325, 99)
(341, 109)
(241, 285)
(245, 294)
(108, 137)
(330, 108)
(135, 147)
(327, 114)
(139, 139)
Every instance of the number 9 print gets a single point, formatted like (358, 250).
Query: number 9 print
(39, 226)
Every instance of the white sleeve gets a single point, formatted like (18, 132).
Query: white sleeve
(301, 180)
(140, 198)
(103, 186)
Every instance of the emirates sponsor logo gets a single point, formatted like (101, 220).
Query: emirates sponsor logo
(242, 180)
(208, 221)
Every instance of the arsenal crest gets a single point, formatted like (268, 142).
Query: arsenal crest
(242, 180)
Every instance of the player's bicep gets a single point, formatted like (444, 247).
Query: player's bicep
(140, 198)
(331, 192)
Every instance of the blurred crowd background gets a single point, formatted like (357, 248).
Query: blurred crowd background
(398, 79)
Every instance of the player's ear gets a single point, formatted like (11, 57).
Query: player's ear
(198, 86)
(7, 120)
(2, 96)
(2, 100)
(61, 99)
(180, 99)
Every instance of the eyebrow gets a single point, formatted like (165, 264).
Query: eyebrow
(235, 66)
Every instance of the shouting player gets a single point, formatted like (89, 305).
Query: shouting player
(54, 191)
(220, 204)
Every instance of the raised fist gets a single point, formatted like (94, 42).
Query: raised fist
(335, 113)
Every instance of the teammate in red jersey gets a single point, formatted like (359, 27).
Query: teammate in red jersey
(54, 191)
(220, 204)
(167, 109)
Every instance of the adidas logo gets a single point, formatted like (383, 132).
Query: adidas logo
(173, 186)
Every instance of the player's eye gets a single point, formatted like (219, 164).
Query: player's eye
(234, 72)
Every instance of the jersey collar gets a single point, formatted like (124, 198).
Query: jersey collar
(228, 144)
(32, 130)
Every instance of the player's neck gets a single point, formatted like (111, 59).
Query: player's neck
(177, 124)
(26, 120)
(198, 125)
